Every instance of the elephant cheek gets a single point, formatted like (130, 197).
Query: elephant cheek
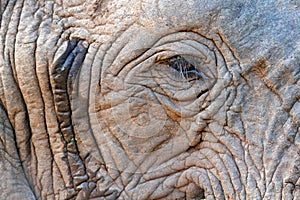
(141, 124)
(140, 117)
(143, 114)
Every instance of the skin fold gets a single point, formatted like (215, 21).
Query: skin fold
(107, 99)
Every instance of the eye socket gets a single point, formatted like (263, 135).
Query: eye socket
(187, 70)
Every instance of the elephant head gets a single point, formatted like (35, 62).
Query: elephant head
(107, 99)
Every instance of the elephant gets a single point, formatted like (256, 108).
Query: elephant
(116, 99)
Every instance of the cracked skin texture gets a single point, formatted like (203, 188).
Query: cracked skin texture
(90, 111)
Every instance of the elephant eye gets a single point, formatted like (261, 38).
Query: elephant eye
(187, 70)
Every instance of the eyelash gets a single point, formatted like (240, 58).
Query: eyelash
(181, 65)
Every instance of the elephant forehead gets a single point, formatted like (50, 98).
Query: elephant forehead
(96, 21)
(254, 29)
(103, 21)
(179, 14)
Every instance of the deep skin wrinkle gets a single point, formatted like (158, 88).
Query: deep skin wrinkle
(93, 104)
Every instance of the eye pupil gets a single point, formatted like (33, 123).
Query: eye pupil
(186, 69)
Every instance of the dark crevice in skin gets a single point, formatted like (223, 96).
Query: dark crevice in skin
(201, 93)
(64, 73)
(76, 66)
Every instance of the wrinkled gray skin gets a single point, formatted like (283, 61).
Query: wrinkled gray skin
(91, 107)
